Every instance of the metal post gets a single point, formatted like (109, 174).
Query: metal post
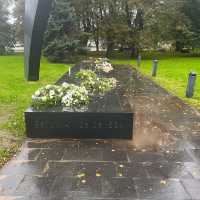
(191, 84)
(155, 67)
(69, 71)
(139, 59)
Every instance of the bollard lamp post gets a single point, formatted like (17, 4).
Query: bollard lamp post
(139, 59)
(191, 84)
(155, 67)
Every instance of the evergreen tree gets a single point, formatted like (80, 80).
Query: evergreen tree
(62, 36)
(6, 32)
(192, 11)
(19, 20)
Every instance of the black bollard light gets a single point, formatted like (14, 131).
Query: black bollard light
(191, 84)
(155, 67)
(139, 59)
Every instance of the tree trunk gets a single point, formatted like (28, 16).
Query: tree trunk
(97, 45)
(134, 52)
(109, 49)
(179, 46)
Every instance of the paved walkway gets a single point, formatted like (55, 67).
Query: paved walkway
(162, 168)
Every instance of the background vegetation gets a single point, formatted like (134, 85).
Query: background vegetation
(126, 25)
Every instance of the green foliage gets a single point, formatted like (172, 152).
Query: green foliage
(6, 32)
(71, 95)
(67, 95)
(86, 75)
(74, 96)
(104, 85)
(95, 85)
(7, 153)
(47, 96)
(192, 11)
(126, 25)
(19, 20)
(62, 36)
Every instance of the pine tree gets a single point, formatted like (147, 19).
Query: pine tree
(192, 11)
(62, 37)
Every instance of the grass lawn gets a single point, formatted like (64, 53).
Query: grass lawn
(15, 93)
(173, 75)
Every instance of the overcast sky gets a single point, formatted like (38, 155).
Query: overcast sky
(11, 18)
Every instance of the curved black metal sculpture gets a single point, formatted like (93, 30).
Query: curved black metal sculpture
(36, 18)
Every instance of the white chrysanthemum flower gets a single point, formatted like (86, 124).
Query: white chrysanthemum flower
(48, 87)
(44, 99)
(65, 85)
(52, 93)
(37, 93)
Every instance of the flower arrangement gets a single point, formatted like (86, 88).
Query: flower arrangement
(76, 96)
(86, 75)
(102, 64)
(47, 96)
(105, 85)
(67, 95)
(95, 85)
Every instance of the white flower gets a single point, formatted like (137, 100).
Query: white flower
(48, 87)
(65, 85)
(52, 93)
(44, 99)
(37, 93)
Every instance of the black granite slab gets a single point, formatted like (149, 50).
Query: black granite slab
(108, 116)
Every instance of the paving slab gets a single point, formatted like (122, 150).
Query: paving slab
(116, 169)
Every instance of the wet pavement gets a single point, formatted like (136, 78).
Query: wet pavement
(116, 169)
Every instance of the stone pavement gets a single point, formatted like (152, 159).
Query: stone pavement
(113, 169)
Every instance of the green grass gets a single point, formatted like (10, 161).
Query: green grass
(16, 93)
(173, 75)
(7, 153)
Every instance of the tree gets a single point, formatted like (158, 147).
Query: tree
(192, 11)
(62, 36)
(6, 31)
(19, 20)
(166, 23)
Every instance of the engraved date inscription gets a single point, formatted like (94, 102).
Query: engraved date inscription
(81, 124)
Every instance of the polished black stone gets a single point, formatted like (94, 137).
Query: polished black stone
(9, 184)
(192, 187)
(168, 170)
(46, 144)
(157, 189)
(36, 18)
(25, 168)
(110, 116)
(119, 188)
(114, 155)
(83, 155)
(29, 154)
(51, 154)
(131, 170)
(62, 169)
(178, 156)
(96, 169)
(145, 157)
(35, 185)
